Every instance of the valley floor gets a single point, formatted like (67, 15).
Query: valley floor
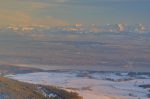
(94, 85)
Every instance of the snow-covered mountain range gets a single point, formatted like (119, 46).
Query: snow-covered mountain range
(79, 28)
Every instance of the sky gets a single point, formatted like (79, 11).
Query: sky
(62, 12)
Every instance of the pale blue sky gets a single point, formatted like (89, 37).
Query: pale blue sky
(60, 12)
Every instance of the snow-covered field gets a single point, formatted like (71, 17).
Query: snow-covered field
(93, 85)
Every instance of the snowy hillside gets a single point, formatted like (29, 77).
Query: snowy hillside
(96, 85)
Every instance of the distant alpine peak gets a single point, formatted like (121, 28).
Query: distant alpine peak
(80, 28)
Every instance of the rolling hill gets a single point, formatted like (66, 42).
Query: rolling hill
(11, 89)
